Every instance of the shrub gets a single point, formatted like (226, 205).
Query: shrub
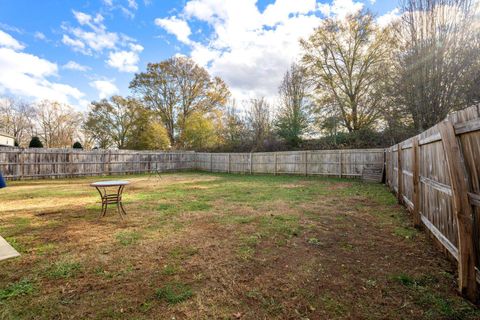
(77, 145)
(35, 143)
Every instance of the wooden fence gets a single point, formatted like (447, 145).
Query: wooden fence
(16, 163)
(339, 163)
(436, 174)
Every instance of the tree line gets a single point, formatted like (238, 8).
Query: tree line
(357, 84)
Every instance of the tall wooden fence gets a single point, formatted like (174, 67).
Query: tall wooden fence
(436, 174)
(339, 163)
(16, 163)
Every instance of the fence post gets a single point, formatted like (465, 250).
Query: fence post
(463, 210)
(228, 171)
(341, 163)
(417, 222)
(108, 164)
(21, 159)
(399, 174)
(251, 164)
(306, 163)
(275, 168)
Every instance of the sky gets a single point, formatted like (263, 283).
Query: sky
(82, 51)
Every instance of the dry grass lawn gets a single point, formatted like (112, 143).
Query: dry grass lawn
(215, 246)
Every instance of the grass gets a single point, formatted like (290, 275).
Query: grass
(218, 246)
(127, 238)
(174, 293)
(437, 306)
(22, 287)
(64, 269)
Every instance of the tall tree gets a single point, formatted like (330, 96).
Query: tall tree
(176, 88)
(111, 121)
(439, 53)
(235, 133)
(57, 123)
(293, 119)
(259, 122)
(344, 59)
(17, 119)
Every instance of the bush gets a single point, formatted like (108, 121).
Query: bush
(77, 145)
(35, 143)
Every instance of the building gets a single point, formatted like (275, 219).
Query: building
(6, 140)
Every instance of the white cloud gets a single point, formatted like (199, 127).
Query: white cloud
(94, 39)
(340, 8)
(125, 61)
(27, 75)
(106, 88)
(8, 41)
(248, 48)
(40, 35)
(388, 17)
(72, 65)
(282, 10)
(133, 4)
(127, 7)
(82, 18)
(76, 45)
(178, 27)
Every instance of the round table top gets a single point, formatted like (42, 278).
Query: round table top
(112, 183)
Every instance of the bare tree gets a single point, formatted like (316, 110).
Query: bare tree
(438, 58)
(235, 133)
(259, 122)
(293, 117)
(58, 124)
(344, 59)
(17, 119)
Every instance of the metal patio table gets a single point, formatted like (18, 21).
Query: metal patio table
(114, 198)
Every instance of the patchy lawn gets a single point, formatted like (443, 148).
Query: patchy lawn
(216, 246)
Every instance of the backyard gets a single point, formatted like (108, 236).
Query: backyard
(219, 246)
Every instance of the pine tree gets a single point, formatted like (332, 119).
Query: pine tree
(77, 145)
(35, 143)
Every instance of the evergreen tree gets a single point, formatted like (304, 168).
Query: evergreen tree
(77, 145)
(35, 143)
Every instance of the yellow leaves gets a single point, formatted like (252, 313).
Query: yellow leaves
(155, 137)
(200, 132)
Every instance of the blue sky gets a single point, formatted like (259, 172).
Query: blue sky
(79, 51)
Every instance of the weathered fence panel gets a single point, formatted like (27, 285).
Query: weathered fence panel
(339, 163)
(16, 163)
(436, 175)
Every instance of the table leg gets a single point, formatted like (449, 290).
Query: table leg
(104, 204)
(119, 201)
